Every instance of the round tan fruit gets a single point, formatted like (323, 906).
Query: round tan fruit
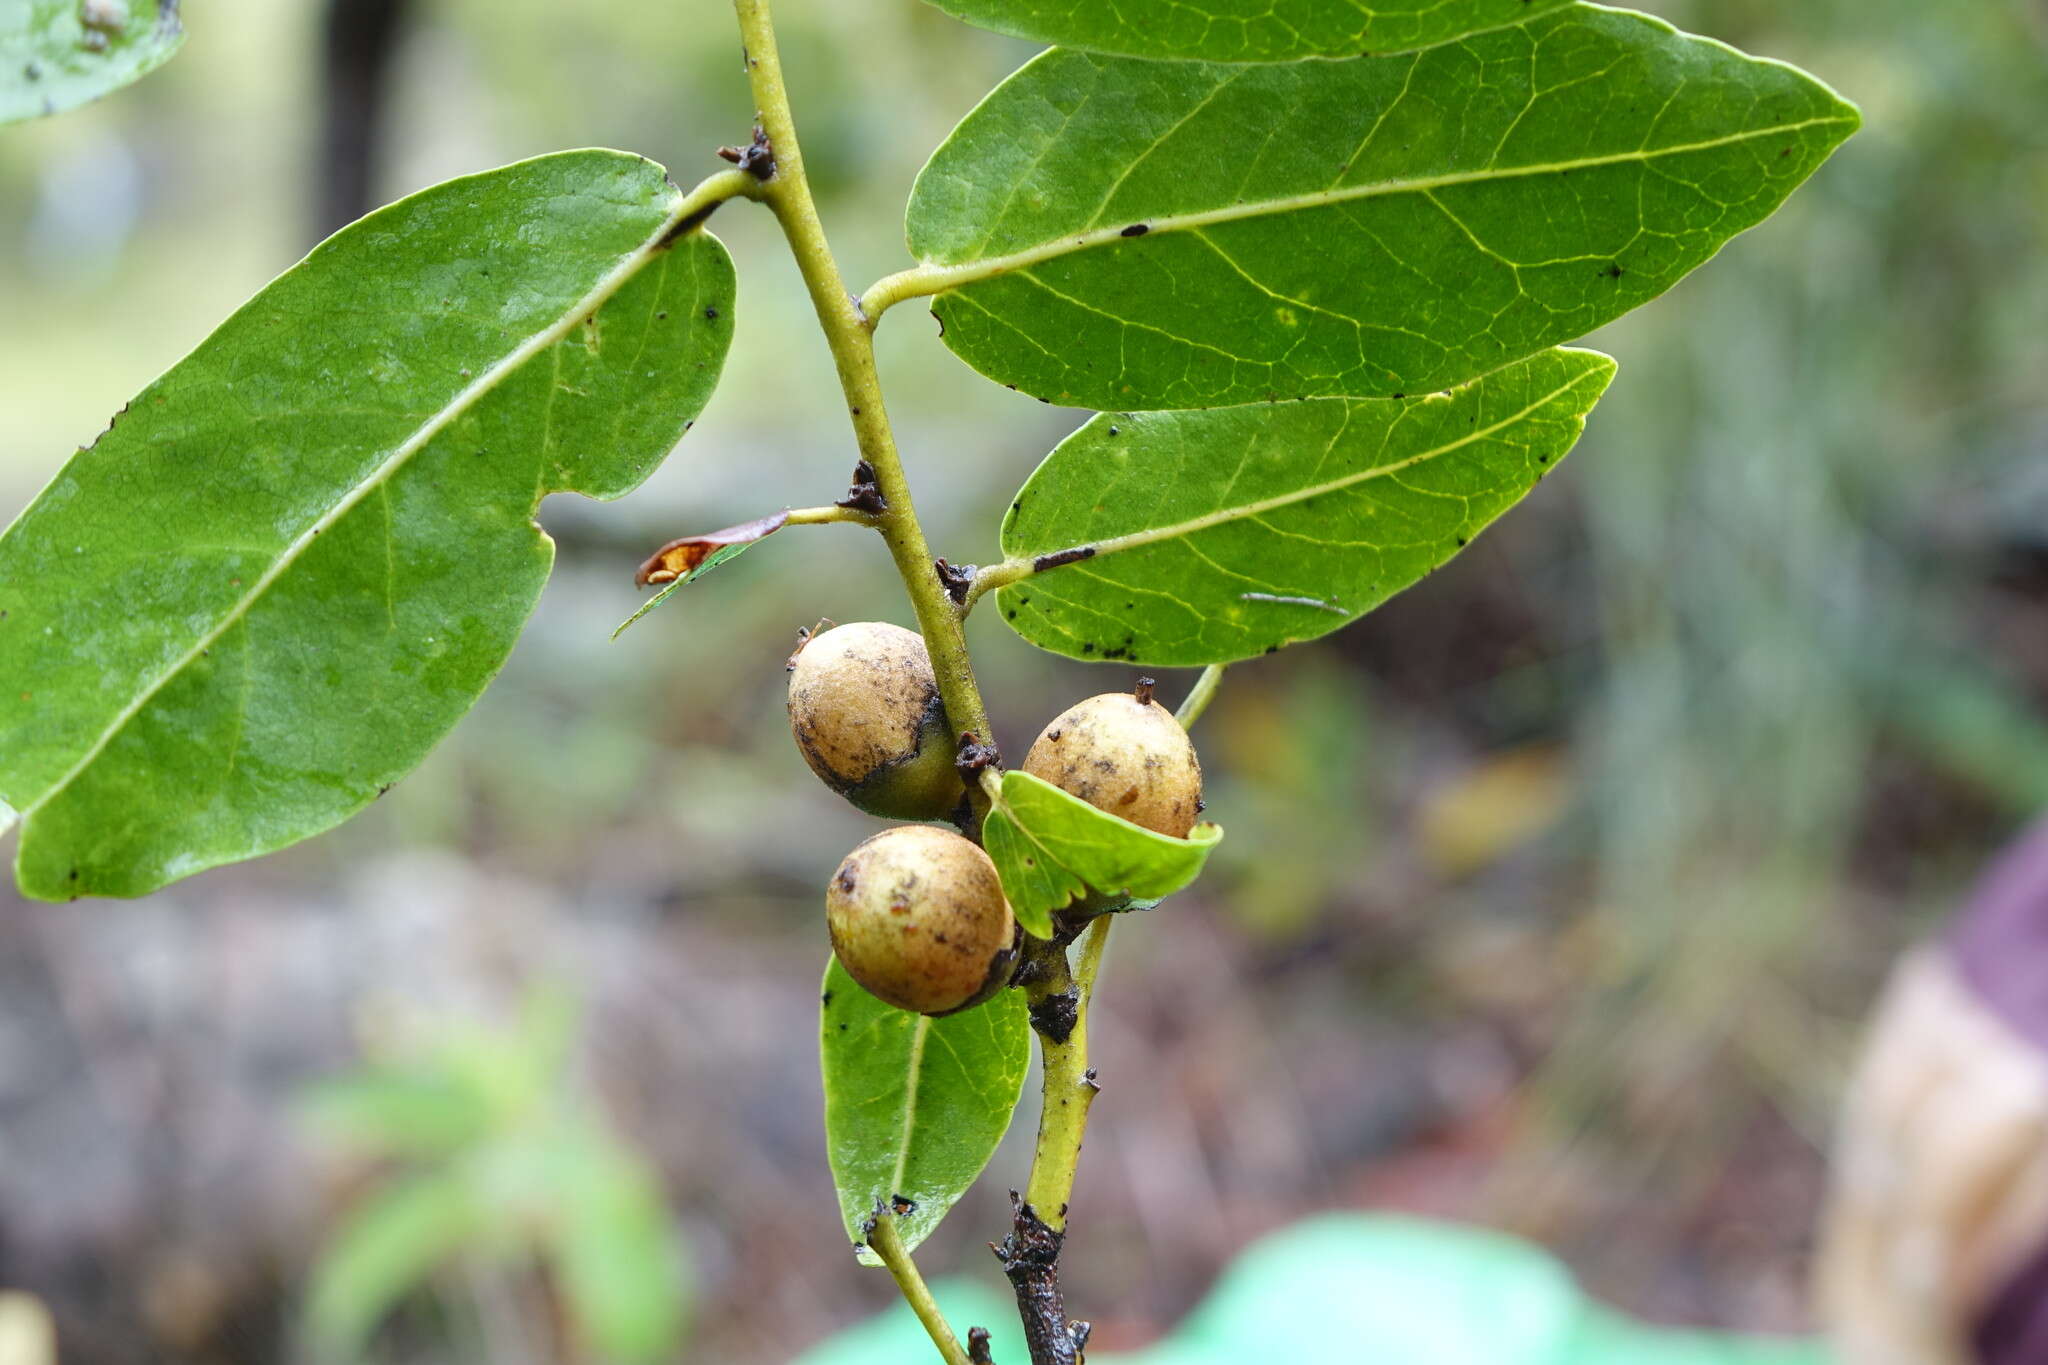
(865, 710)
(917, 916)
(1125, 755)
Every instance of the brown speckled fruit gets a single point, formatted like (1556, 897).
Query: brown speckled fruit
(865, 710)
(917, 916)
(1124, 755)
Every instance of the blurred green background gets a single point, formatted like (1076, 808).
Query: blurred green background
(1554, 891)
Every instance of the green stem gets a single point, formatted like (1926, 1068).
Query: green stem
(828, 515)
(1198, 697)
(849, 334)
(885, 1243)
(1069, 1084)
(992, 576)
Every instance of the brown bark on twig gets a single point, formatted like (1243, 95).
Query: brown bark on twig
(1030, 1256)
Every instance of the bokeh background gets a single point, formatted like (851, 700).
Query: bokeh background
(1555, 891)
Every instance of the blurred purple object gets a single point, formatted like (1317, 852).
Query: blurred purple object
(2000, 941)
(2000, 944)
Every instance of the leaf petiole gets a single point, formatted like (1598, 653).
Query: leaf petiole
(885, 1243)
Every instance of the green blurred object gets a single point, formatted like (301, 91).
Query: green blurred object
(57, 54)
(500, 1166)
(1387, 1289)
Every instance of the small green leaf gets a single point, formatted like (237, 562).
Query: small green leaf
(56, 54)
(388, 1248)
(1116, 233)
(1051, 848)
(614, 1255)
(295, 560)
(1245, 30)
(914, 1106)
(1219, 535)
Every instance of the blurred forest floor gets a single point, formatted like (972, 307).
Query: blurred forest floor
(1554, 891)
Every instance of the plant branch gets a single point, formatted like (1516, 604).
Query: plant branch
(885, 1243)
(1199, 696)
(847, 331)
(992, 576)
(1058, 995)
(1059, 1001)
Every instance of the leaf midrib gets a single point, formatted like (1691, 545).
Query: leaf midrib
(910, 1087)
(466, 398)
(935, 277)
(1132, 540)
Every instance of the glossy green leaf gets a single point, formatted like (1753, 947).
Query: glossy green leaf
(1115, 233)
(295, 560)
(1245, 30)
(914, 1106)
(390, 1244)
(1218, 535)
(1051, 849)
(56, 54)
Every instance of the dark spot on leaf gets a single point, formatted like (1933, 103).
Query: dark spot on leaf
(711, 314)
(825, 999)
(1136, 230)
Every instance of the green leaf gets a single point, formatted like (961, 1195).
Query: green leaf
(614, 1256)
(1245, 30)
(56, 54)
(1050, 849)
(1116, 233)
(397, 1113)
(914, 1106)
(297, 558)
(1218, 535)
(388, 1247)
